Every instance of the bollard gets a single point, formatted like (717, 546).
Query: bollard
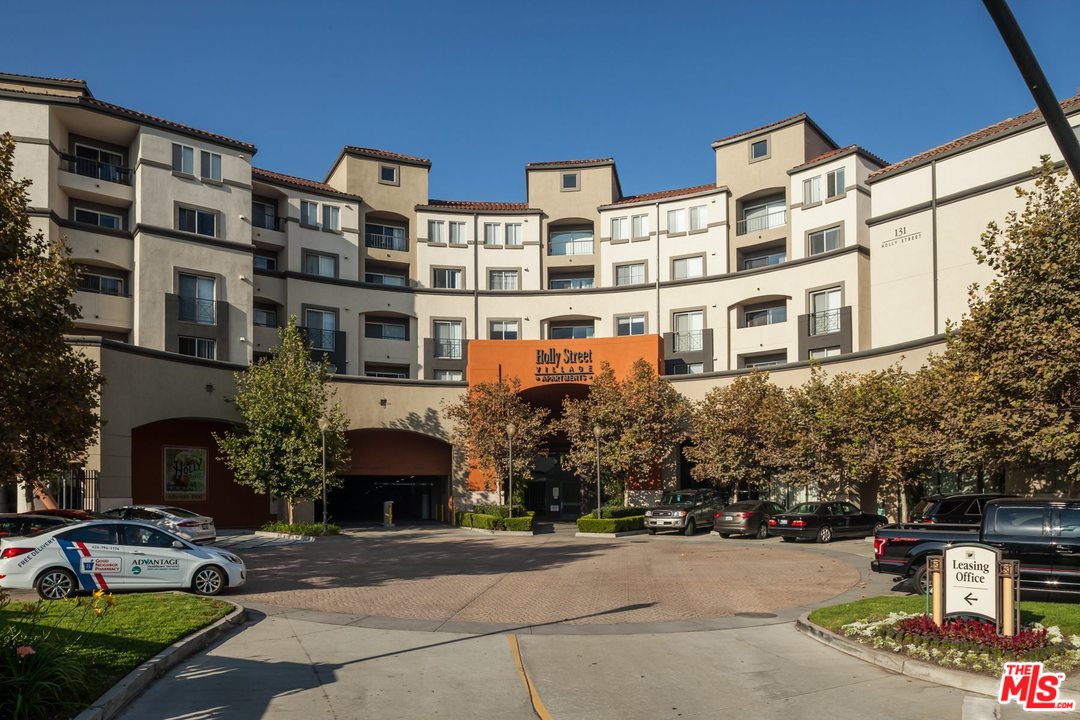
(388, 514)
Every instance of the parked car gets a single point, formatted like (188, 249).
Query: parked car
(823, 521)
(112, 554)
(70, 513)
(1042, 533)
(192, 526)
(958, 509)
(25, 523)
(683, 510)
(747, 517)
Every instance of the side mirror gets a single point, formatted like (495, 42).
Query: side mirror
(178, 545)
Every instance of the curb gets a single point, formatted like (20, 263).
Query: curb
(135, 682)
(894, 662)
(511, 533)
(626, 533)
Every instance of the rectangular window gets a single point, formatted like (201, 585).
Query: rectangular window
(762, 215)
(570, 282)
(835, 183)
(331, 218)
(699, 217)
(570, 242)
(457, 233)
(101, 284)
(447, 278)
(620, 229)
(630, 325)
(197, 347)
(757, 315)
(448, 334)
(386, 371)
(822, 353)
(264, 215)
(825, 312)
(513, 234)
(106, 220)
(633, 274)
(264, 316)
(200, 222)
(811, 191)
(196, 294)
(386, 328)
(319, 264)
(570, 181)
(183, 159)
(309, 213)
(503, 330)
(210, 166)
(448, 375)
(570, 331)
(388, 174)
(386, 237)
(689, 330)
(491, 233)
(763, 258)
(676, 221)
(502, 280)
(758, 361)
(640, 226)
(265, 260)
(824, 240)
(691, 267)
(759, 149)
(435, 231)
(385, 278)
(321, 329)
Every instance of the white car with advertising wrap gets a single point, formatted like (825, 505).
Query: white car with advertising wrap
(114, 555)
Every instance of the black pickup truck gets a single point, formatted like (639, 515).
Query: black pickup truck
(1043, 534)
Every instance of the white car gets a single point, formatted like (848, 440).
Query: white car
(188, 525)
(114, 555)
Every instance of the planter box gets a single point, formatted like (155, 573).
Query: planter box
(610, 535)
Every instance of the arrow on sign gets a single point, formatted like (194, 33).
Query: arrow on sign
(970, 601)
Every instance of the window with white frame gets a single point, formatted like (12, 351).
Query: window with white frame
(571, 330)
(379, 327)
(513, 234)
(825, 311)
(210, 166)
(699, 219)
(570, 242)
(197, 347)
(676, 221)
(620, 229)
(688, 267)
(331, 218)
(200, 222)
(448, 334)
(824, 240)
(759, 149)
(320, 264)
(435, 231)
(99, 283)
(110, 221)
(694, 368)
(503, 330)
(639, 226)
(196, 295)
(457, 233)
(689, 330)
(491, 234)
(388, 174)
(765, 314)
(502, 279)
(309, 213)
(811, 191)
(822, 353)
(630, 325)
(449, 278)
(321, 329)
(448, 375)
(834, 183)
(183, 159)
(630, 274)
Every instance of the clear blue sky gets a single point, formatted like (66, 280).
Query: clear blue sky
(482, 88)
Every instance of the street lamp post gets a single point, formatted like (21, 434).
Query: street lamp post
(596, 434)
(510, 430)
(324, 424)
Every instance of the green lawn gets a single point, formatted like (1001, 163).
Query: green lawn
(1065, 615)
(135, 629)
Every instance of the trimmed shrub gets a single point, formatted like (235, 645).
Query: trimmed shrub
(591, 524)
(483, 521)
(499, 510)
(300, 528)
(614, 511)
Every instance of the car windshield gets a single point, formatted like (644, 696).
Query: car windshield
(805, 509)
(180, 512)
(679, 498)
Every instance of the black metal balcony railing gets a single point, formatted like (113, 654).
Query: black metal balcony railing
(447, 349)
(197, 310)
(386, 242)
(320, 339)
(690, 341)
(269, 222)
(823, 323)
(757, 223)
(95, 169)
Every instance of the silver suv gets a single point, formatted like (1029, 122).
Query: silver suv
(683, 510)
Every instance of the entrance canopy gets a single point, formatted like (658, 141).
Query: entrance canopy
(540, 363)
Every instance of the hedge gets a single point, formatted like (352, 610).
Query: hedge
(590, 524)
(483, 521)
(499, 510)
(611, 511)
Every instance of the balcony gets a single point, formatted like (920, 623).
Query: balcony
(448, 349)
(444, 354)
(761, 222)
(94, 169)
(381, 241)
(574, 247)
(688, 341)
(689, 347)
(829, 329)
(196, 310)
(326, 342)
(104, 312)
(824, 323)
(270, 222)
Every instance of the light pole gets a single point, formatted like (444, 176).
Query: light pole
(596, 434)
(510, 430)
(324, 424)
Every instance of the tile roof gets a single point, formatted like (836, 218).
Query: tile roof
(386, 154)
(478, 205)
(19, 76)
(662, 194)
(973, 138)
(841, 151)
(785, 121)
(153, 120)
(302, 183)
(590, 161)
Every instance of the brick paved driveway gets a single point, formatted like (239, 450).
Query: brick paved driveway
(445, 574)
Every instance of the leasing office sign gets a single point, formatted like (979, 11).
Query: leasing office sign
(563, 365)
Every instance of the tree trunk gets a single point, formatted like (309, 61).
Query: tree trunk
(868, 494)
(42, 493)
(289, 511)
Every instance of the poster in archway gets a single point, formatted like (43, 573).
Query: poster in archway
(185, 473)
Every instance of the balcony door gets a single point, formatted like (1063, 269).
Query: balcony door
(825, 312)
(197, 299)
(688, 330)
(448, 339)
(321, 326)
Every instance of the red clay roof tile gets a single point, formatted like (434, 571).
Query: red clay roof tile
(842, 151)
(662, 194)
(374, 152)
(144, 117)
(793, 118)
(590, 161)
(479, 205)
(303, 183)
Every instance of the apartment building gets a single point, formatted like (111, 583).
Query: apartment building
(798, 250)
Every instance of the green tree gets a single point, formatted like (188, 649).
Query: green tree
(49, 392)
(740, 433)
(1014, 362)
(278, 451)
(480, 419)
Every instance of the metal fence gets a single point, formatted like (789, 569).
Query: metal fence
(823, 323)
(76, 488)
(757, 223)
(197, 310)
(94, 169)
(688, 341)
(386, 242)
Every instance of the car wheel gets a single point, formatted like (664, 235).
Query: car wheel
(652, 531)
(920, 581)
(762, 530)
(824, 535)
(786, 538)
(209, 580)
(689, 529)
(57, 584)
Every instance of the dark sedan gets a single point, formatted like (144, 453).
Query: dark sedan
(823, 521)
(16, 525)
(748, 517)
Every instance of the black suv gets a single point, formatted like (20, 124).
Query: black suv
(959, 509)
